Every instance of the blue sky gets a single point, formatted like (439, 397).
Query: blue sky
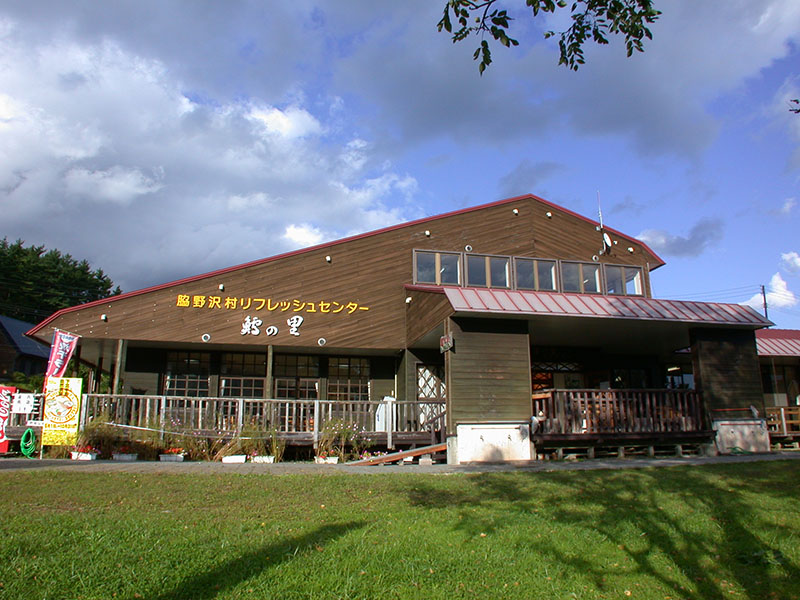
(160, 140)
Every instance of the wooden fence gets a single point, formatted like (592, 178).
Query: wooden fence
(591, 411)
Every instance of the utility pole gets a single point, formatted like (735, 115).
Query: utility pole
(764, 297)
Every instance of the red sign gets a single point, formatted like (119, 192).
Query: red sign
(60, 352)
(5, 412)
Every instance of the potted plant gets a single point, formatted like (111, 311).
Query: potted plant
(172, 455)
(323, 457)
(124, 454)
(84, 452)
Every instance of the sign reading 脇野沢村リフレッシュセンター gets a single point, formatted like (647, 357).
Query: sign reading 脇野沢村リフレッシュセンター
(268, 304)
(62, 408)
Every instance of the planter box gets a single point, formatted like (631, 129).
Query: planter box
(262, 459)
(326, 460)
(235, 458)
(170, 457)
(124, 456)
(83, 455)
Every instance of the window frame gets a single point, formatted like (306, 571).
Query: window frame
(536, 279)
(624, 291)
(438, 267)
(487, 271)
(581, 278)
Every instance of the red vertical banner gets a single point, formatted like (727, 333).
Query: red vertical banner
(6, 394)
(60, 352)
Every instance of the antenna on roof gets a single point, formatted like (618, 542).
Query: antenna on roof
(605, 237)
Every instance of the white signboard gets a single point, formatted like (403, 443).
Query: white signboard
(23, 404)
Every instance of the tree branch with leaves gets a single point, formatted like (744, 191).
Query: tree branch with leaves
(594, 20)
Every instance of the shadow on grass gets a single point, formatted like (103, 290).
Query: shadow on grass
(696, 520)
(241, 568)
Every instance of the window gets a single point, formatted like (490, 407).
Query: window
(439, 268)
(523, 273)
(187, 374)
(289, 365)
(241, 387)
(348, 379)
(249, 365)
(623, 280)
(583, 278)
(488, 271)
(535, 274)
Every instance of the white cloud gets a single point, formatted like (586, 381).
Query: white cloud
(303, 235)
(787, 206)
(791, 261)
(291, 123)
(778, 295)
(117, 184)
(243, 202)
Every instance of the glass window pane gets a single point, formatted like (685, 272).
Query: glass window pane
(614, 280)
(591, 278)
(476, 271)
(546, 271)
(524, 274)
(633, 281)
(426, 267)
(571, 277)
(499, 272)
(448, 270)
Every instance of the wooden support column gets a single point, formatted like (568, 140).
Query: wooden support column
(268, 382)
(122, 346)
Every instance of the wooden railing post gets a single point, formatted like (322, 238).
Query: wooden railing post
(240, 416)
(163, 415)
(783, 420)
(316, 423)
(389, 422)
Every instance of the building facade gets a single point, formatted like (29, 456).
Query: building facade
(487, 312)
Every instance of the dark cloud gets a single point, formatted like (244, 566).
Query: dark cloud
(705, 233)
(628, 205)
(526, 177)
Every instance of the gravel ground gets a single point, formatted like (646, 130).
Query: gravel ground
(285, 468)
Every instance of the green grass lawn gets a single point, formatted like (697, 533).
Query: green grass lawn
(724, 531)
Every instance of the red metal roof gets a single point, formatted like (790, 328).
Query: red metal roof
(510, 302)
(778, 342)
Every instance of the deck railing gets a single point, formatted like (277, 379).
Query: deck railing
(229, 415)
(783, 420)
(591, 411)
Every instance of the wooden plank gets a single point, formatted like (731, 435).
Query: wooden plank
(396, 456)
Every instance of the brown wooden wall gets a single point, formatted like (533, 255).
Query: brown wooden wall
(425, 311)
(726, 368)
(368, 271)
(488, 373)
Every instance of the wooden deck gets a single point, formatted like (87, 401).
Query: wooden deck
(783, 422)
(387, 423)
(586, 418)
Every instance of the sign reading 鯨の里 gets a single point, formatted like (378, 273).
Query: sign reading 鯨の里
(62, 407)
